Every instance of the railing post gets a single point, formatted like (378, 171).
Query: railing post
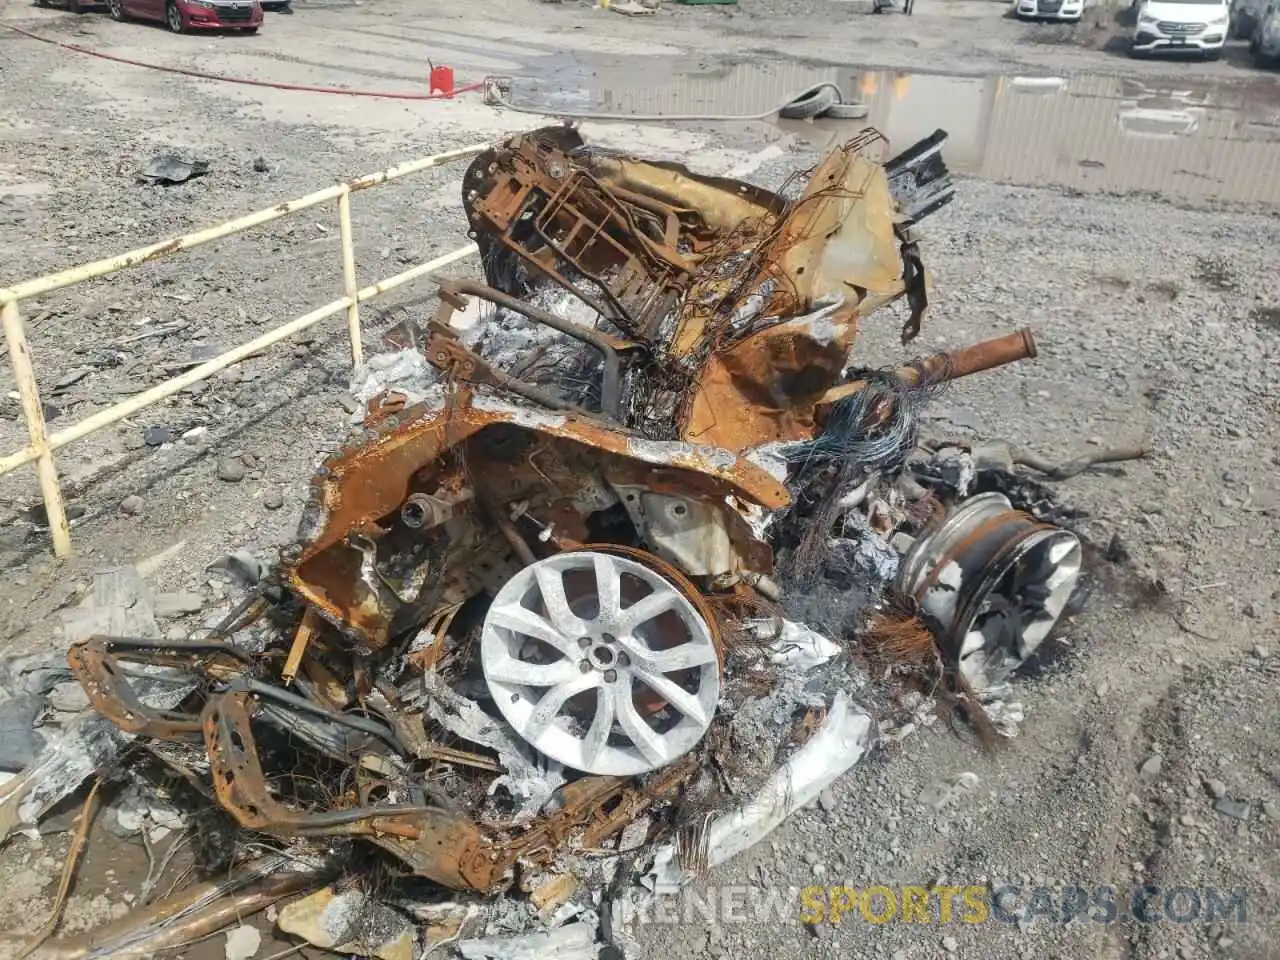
(20, 358)
(349, 276)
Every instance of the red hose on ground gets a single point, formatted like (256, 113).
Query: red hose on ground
(305, 88)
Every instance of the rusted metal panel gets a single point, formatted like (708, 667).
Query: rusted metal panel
(765, 388)
(358, 489)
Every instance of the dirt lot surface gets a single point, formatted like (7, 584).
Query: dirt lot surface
(1146, 266)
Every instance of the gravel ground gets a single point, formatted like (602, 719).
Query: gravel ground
(1155, 322)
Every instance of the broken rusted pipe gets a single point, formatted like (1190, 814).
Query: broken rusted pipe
(942, 367)
(986, 355)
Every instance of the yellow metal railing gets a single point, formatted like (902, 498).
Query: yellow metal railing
(41, 444)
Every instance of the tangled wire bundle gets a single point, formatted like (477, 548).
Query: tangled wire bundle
(875, 428)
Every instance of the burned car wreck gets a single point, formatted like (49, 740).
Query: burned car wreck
(591, 594)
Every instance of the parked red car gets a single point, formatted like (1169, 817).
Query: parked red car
(184, 15)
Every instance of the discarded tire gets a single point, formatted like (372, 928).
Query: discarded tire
(812, 103)
(844, 111)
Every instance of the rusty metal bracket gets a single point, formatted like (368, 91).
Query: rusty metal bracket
(241, 787)
(450, 850)
(531, 198)
(97, 663)
(442, 846)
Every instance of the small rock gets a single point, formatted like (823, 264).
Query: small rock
(1238, 809)
(244, 566)
(1151, 506)
(961, 417)
(1150, 769)
(1187, 820)
(273, 498)
(1217, 789)
(1260, 652)
(231, 470)
(811, 857)
(992, 456)
(950, 945)
(202, 352)
(75, 376)
(260, 165)
(827, 800)
(1271, 809)
(1251, 611)
(132, 505)
(170, 605)
(242, 943)
(946, 792)
(154, 436)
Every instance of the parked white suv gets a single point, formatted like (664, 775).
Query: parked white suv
(1181, 26)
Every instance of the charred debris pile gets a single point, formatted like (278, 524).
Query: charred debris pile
(627, 560)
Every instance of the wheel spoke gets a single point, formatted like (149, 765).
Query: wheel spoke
(683, 657)
(645, 609)
(551, 586)
(548, 708)
(679, 698)
(511, 670)
(527, 623)
(602, 723)
(646, 739)
(608, 588)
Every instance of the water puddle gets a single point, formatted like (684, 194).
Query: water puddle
(1192, 140)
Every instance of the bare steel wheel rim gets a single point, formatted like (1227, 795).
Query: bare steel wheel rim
(600, 663)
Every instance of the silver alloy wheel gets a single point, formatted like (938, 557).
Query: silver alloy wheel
(992, 582)
(175, 18)
(117, 9)
(600, 663)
